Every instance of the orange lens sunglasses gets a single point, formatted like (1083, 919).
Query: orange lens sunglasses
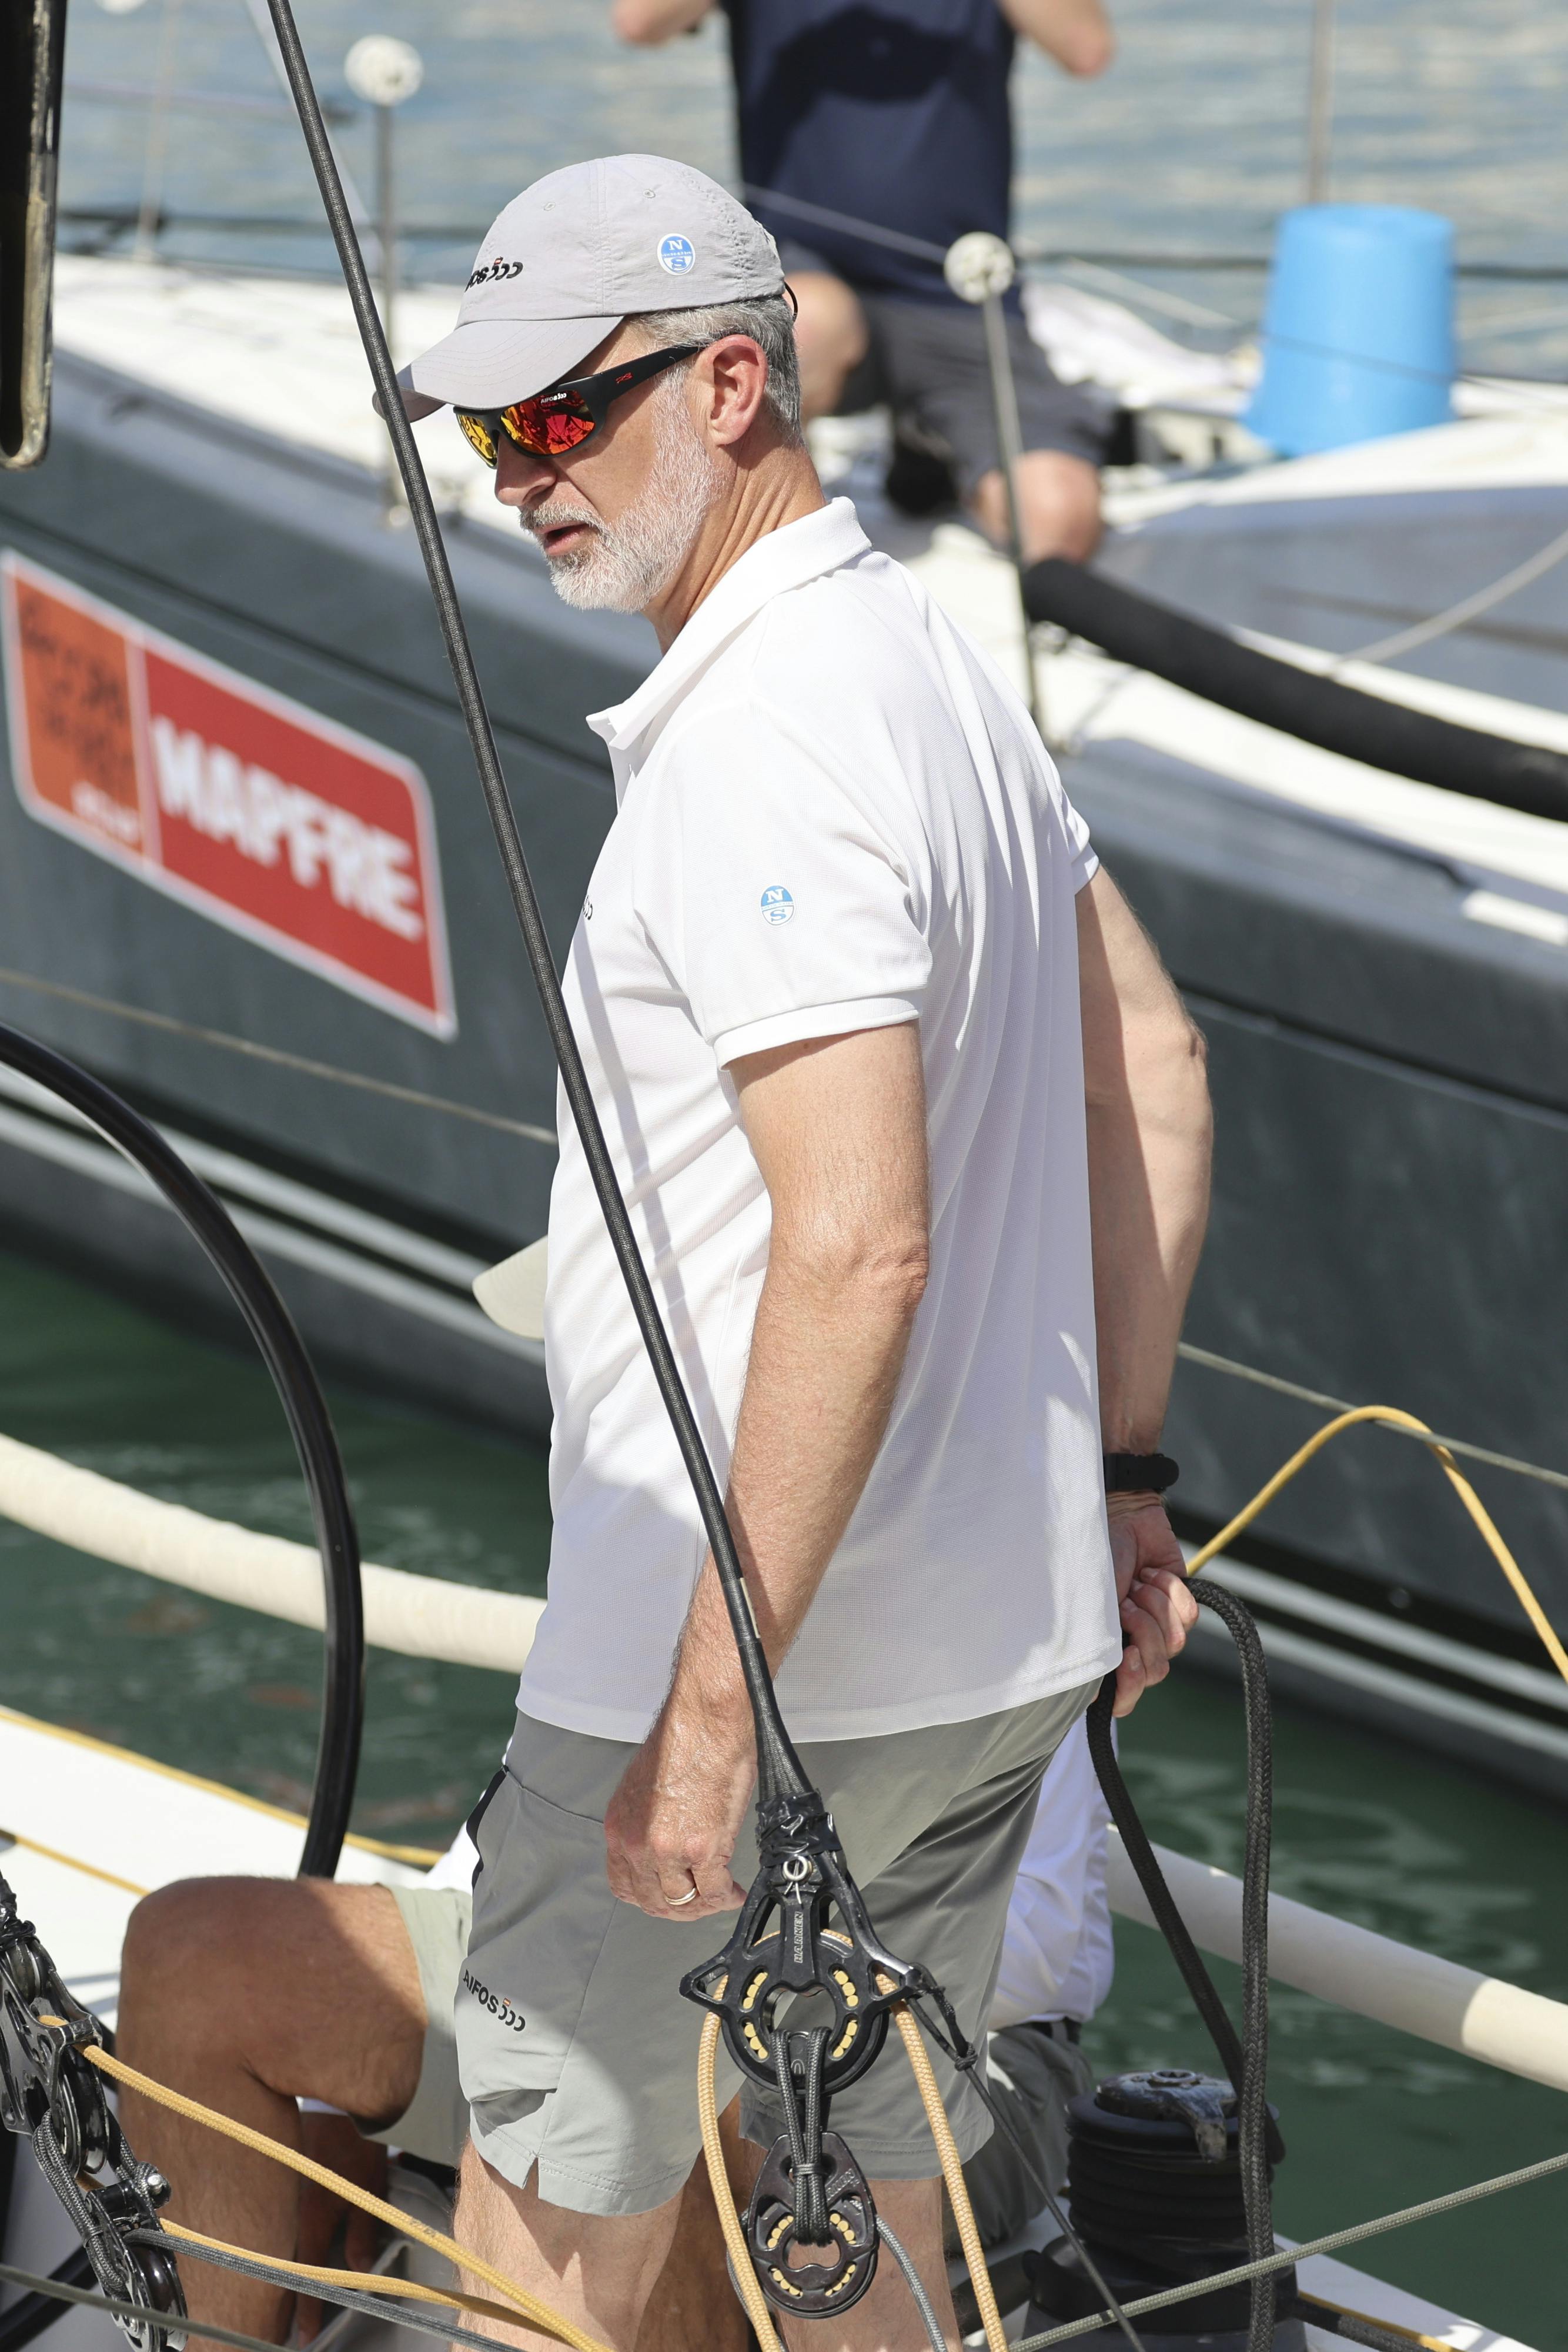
(553, 422)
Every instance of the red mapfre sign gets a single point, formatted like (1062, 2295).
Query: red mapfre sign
(278, 823)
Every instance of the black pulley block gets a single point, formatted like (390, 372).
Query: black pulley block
(835, 2271)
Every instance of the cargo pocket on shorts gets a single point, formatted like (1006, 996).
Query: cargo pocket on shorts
(543, 1908)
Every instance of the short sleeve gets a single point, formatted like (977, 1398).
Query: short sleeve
(785, 900)
(1085, 859)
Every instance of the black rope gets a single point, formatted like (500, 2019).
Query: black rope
(1151, 635)
(300, 1392)
(780, 1769)
(1152, 1879)
(1252, 2091)
(1244, 2059)
(798, 2061)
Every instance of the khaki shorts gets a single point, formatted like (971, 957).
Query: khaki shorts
(578, 2054)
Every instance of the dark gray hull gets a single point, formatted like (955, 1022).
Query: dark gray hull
(1390, 1079)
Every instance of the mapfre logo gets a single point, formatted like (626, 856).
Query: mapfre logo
(277, 824)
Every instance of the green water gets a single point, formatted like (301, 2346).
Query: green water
(1364, 1828)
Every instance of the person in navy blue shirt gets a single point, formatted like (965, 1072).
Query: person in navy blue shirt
(896, 114)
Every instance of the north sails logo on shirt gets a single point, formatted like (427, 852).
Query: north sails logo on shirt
(777, 906)
(677, 255)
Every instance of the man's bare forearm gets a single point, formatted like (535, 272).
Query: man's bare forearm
(1149, 1134)
(825, 1366)
(846, 1268)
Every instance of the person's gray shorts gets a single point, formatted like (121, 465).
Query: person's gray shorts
(927, 362)
(578, 2054)
(434, 2124)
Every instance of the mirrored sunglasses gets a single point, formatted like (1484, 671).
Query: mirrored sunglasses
(553, 422)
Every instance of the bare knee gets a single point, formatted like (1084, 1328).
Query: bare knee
(831, 339)
(186, 1948)
(312, 1988)
(1059, 506)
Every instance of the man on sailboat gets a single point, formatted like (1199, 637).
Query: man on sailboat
(915, 1134)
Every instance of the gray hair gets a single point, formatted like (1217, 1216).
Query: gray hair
(769, 322)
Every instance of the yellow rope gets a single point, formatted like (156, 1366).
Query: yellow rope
(413, 1854)
(952, 2173)
(746, 2283)
(537, 2313)
(1466, 1494)
(1389, 2327)
(71, 1862)
(362, 2282)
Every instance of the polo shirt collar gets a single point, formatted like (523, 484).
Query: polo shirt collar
(782, 560)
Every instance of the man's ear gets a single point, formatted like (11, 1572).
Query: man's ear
(738, 373)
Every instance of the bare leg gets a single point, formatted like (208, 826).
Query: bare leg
(596, 2271)
(246, 1993)
(1058, 500)
(694, 2307)
(885, 2319)
(831, 339)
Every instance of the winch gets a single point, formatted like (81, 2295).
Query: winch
(1153, 2183)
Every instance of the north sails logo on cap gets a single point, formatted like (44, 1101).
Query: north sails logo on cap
(677, 255)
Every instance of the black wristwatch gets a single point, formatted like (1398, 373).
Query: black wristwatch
(1139, 1474)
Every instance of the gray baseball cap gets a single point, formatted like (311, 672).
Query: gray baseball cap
(574, 255)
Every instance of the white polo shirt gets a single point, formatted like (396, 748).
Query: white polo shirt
(834, 815)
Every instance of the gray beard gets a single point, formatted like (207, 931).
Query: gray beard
(624, 568)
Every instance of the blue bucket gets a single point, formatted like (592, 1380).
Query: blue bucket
(1358, 335)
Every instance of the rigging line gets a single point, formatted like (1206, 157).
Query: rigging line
(1467, 609)
(894, 240)
(276, 1053)
(1214, 1363)
(390, 2302)
(780, 1769)
(922, 250)
(157, 134)
(1357, 1416)
(267, 34)
(974, 2073)
(916, 2285)
(114, 2308)
(1155, 298)
(9, 1838)
(1357, 2233)
(527, 2306)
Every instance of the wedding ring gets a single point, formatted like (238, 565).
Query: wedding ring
(676, 1901)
